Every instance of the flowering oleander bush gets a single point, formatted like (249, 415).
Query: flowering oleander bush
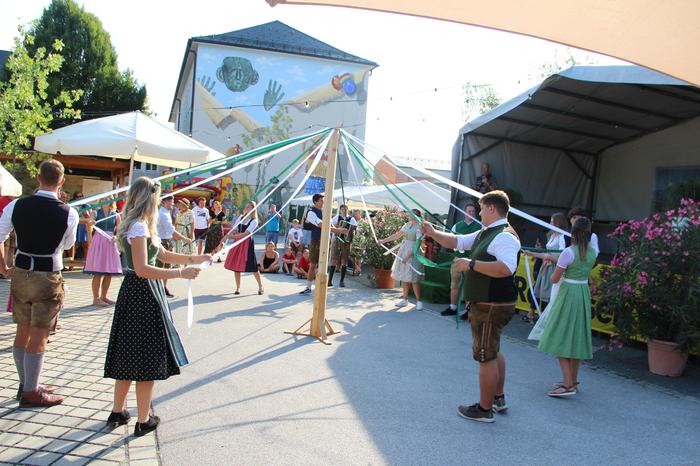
(653, 284)
(386, 222)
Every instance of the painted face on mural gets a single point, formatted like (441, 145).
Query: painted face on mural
(237, 73)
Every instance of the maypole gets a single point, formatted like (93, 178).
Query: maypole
(320, 327)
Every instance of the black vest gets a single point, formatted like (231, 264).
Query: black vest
(40, 223)
(316, 231)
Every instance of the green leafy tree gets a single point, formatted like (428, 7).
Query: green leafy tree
(478, 99)
(90, 62)
(26, 109)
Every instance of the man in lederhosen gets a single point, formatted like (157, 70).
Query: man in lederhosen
(340, 244)
(491, 293)
(45, 227)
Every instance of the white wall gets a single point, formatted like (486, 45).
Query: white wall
(627, 172)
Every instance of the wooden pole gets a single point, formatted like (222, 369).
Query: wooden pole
(318, 320)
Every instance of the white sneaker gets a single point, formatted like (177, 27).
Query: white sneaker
(402, 303)
(419, 305)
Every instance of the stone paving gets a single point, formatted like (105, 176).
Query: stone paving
(74, 432)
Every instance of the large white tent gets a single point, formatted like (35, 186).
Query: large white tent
(9, 186)
(607, 138)
(130, 135)
(437, 201)
(661, 35)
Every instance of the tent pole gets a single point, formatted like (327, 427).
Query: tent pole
(131, 167)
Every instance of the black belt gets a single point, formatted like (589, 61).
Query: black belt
(38, 264)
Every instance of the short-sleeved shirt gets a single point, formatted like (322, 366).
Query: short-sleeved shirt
(201, 217)
(568, 256)
(273, 223)
(296, 235)
(504, 247)
(304, 264)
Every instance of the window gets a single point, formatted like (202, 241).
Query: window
(672, 182)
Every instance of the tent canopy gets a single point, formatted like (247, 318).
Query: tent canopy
(655, 34)
(124, 135)
(378, 196)
(554, 142)
(9, 186)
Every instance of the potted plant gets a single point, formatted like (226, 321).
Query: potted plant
(653, 284)
(386, 222)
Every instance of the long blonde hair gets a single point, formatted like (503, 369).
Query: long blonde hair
(141, 205)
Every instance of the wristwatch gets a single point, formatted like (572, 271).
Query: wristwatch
(472, 263)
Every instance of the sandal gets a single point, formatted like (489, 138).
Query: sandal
(561, 384)
(562, 390)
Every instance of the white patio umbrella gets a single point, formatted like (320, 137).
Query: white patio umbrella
(9, 186)
(661, 35)
(378, 196)
(133, 136)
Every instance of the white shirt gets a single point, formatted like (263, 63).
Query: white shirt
(312, 218)
(201, 217)
(165, 224)
(67, 241)
(504, 247)
(296, 235)
(138, 229)
(335, 220)
(568, 256)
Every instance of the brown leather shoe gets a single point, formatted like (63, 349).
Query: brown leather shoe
(41, 388)
(39, 398)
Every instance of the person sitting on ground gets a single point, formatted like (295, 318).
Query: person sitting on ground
(464, 227)
(288, 260)
(302, 268)
(269, 259)
(295, 238)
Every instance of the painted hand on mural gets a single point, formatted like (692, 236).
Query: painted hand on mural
(273, 95)
(208, 84)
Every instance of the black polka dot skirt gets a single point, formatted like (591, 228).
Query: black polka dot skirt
(138, 344)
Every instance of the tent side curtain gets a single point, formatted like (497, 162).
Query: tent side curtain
(523, 169)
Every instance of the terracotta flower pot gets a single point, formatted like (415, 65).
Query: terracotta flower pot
(666, 358)
(384, 279)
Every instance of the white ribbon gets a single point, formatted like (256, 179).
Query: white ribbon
(529, 282)
(478, 195)
(190, 299)
(369, 219)
(317, 159)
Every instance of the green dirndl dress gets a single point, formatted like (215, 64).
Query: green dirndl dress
(567, 332)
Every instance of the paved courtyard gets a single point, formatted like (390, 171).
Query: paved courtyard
(384, 392)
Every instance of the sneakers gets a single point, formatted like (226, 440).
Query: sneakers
(562, 390)
(464, 316)
(39, 398)
(475, 413)
(142, 428)
(449, 312)
(499, 403)
(118, 419)
(419, 305)
(306, 291)
(402, 303)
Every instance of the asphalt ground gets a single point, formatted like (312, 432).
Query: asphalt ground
(386, 390)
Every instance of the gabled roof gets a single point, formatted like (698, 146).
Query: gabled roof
(278, 37)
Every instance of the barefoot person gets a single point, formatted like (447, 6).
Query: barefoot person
(143, 344)
(103, 259)
(45, 227)
(491, 293)
(269, 260)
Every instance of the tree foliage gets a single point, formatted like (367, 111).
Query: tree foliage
(26, 108)
(90, 62)
(478, 99)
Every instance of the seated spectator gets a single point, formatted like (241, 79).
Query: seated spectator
(486, 182)
(302, 268)
(269, 260)
(295, 238)
(288, 260)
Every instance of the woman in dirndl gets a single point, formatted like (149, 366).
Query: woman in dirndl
(184, 224)
(216, 228)
(241, 258)
(103, 259)
(144, 345)
(406, 267)
(567, 328)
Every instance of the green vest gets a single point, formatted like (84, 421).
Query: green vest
(151, 252)
(461, 228)
(481, 288)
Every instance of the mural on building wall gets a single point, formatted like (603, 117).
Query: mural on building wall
(248, 98)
